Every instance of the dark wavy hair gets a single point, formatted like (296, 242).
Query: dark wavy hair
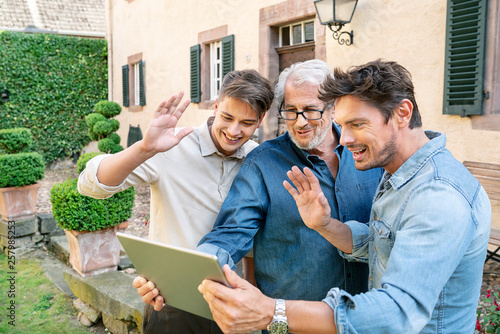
(249, 87)
(382, 84)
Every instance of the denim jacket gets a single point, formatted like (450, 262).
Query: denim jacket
(426, 245)
(292, 261)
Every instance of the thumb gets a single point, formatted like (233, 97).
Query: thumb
(232, 277)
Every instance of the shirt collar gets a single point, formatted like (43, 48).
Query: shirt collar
(415, 163)
(208, 147)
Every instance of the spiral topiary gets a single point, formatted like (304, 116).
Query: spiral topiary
(102, 126)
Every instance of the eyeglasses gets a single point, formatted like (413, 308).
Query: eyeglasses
(310, 115)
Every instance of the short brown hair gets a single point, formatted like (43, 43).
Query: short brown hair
(383, 84)
(249, 87)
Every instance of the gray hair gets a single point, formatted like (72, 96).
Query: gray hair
(314, 71)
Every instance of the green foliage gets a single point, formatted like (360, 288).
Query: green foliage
(21, 169)
(93, 118)
(15, 140)
(115, 137)
(102, 128)
(74, 211)
(108, 109)
(116, 149)
(114, 124)
(84, 158)
(54, 82)
(488, 313)
(48, 310)
(106, 145)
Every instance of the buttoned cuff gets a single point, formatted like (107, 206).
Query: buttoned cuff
(222, 255)
(360, 236)
(340, 301)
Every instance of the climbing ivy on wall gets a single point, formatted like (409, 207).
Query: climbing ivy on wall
(54, 82)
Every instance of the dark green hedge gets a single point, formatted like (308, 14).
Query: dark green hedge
(21, 169)
(54, 82)
(15, 140)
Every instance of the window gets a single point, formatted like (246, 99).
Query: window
(297, 33)
(134, 93)
(210, 60)
(215, 69)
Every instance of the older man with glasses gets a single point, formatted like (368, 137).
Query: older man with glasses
(293, 261)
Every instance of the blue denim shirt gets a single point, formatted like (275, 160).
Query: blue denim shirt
(292, 261)
(426, 245)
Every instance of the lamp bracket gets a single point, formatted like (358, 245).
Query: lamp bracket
(336, 27)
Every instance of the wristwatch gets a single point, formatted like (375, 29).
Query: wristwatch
(279, 324)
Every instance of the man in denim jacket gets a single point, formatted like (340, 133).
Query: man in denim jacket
(428, 232)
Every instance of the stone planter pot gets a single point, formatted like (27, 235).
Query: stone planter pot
(17, 203)
(95, 252)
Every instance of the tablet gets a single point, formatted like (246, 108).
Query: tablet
(176, 271)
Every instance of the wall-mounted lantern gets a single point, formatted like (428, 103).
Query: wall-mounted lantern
(336, 13)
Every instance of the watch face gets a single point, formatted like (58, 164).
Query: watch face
(278, 327)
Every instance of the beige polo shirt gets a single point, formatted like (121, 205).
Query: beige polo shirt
(188, 185)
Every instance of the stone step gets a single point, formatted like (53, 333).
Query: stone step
(112, 293)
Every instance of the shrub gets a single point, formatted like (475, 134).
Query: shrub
(102, 128)
(108, 109)
(106, 145)
(488, 313)
(74, 211)
(114, 124)
(93, 118)
(15, 140)
(21, 169)
(84, 158)
(115, 138)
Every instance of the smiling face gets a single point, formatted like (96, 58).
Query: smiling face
(306, 134)
(234, 124)
(372, 141)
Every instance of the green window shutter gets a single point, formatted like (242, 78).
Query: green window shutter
(126, 100)
(464, 63)
(142, 89)
(227, 55)
(195, 52)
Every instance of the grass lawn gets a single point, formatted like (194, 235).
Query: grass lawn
(31, 303)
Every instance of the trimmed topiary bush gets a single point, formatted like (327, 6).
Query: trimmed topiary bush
(108, 109)
(17, 168)
(102, 126)
(74, 211)
(21, 169)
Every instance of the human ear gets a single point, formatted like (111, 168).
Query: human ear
(215, 106)
(404, 112)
